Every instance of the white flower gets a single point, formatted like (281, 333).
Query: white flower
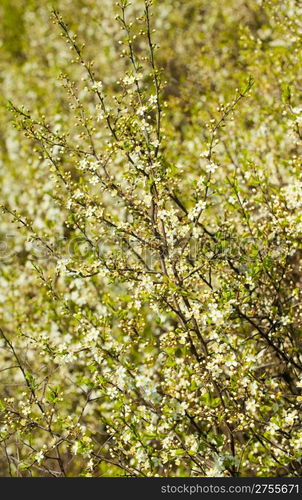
(90, 211)
(155, 143)
(56, 150)
(215, 314)
(290, 418)
(211, 167)
(78, 194)
(249, 281)
(76, 447)
(61, 265)
(285, 320)
(141, 455)
(97, 86)
(200, 182)
(83, 164)
(94, 180)
(153, 99)
(121, 376)
(250, 406)
(141, 110)
(39, 457)
(195, 211)
(90, 464)
(204, 154)
(100, 116)
(297, 442)
(129, 80)
(93, 335)
(272, 428)
(253, 388)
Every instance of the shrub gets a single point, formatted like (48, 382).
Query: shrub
(151, 320)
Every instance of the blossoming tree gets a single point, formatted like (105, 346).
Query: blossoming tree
(151, 238)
